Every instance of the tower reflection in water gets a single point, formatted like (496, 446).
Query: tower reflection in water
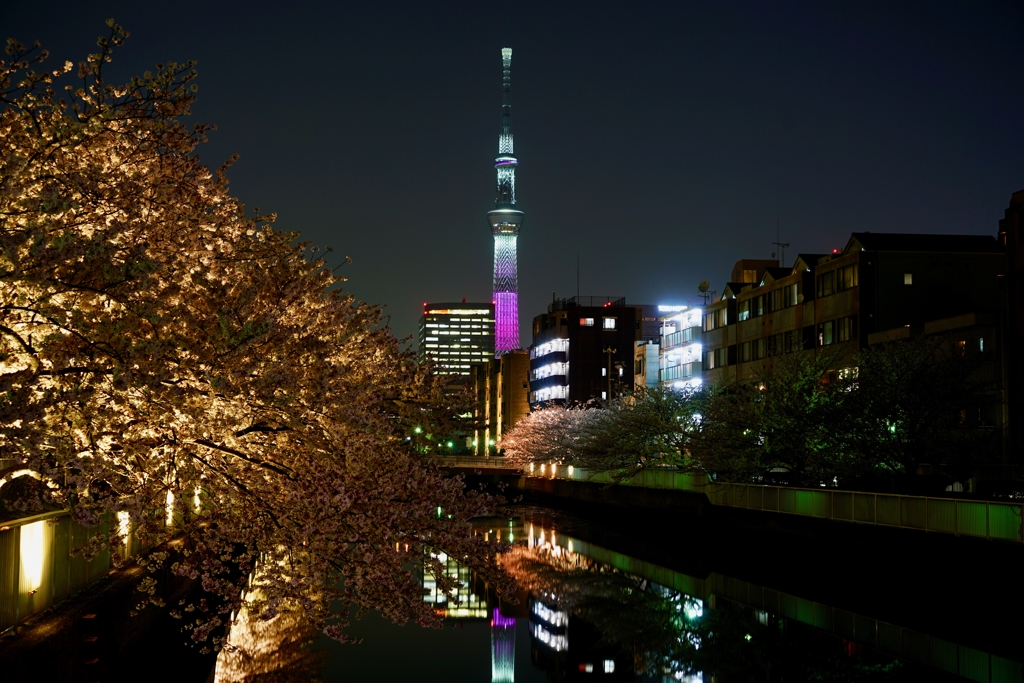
(552, 607)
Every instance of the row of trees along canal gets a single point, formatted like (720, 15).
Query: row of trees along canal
(159, 343)
(867, 419)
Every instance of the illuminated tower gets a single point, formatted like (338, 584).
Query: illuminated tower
(505, 220)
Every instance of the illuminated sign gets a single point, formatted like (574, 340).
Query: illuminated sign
(672, 309)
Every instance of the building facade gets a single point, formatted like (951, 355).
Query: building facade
(680, 358)
(584, 349)
(456, 336)
(877, 284)
(645, 365)
(501, 391)
(1011, 235)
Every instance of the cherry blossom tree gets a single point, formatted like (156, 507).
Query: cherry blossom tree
(171, 364)
(622, 437)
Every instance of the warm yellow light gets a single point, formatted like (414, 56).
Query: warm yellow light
(570, 545)
(196, 502)
(570, 470)
(169, 507)
(32, 550)
(123, 525)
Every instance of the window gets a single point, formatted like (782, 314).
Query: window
(791, 341)
(604, 372)
(723, 317)
(792, 295)
(608, 323)
(834, 331)
(827, 283)
(744, 311)
(981, 344)
(758, 349)
(759, 305)
(908, 278)
(604, 395)
(745, 352)
(960, 348)
(721, 357)
(845, 329)
(586, 322)
(846, 277)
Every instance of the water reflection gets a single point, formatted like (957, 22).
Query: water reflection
(585, 612)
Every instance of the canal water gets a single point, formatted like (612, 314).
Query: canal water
(644, 600)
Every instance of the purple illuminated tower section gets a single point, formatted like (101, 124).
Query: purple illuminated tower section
(505, 220)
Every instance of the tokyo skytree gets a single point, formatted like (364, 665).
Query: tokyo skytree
(505, 220)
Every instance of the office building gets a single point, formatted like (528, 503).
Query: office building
(456, 336)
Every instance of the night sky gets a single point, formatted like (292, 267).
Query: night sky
(659, 141)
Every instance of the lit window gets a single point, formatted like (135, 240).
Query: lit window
(609, 666)
(908, 278)
(586, 322)
(604, 395)
(604, 372)
(981, 344)
(608, 323)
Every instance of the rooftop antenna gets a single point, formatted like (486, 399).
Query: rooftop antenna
(782, 246)
(703, 289)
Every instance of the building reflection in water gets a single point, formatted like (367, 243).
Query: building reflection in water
(595, 614)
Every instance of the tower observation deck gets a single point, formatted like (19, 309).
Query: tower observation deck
(505, 220)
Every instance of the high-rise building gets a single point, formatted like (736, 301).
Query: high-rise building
(505, 220)
(456, 336)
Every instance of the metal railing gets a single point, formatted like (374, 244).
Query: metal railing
(983, 519)
(483, 462)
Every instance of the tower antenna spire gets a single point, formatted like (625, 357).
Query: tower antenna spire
(505, 220)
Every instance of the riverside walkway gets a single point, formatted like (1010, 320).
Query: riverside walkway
(994, 520)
